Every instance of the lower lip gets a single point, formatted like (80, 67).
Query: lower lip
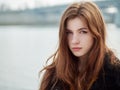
(76, 49)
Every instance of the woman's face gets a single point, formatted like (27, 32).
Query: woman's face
(80, 39)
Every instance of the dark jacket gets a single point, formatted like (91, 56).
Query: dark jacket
(108, 79)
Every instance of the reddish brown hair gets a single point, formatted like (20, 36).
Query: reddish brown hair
(65, 65)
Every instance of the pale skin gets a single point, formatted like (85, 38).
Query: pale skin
(80, 39)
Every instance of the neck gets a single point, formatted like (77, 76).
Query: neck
(82, 63)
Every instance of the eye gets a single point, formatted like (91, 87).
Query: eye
(68, 32)
(83, 32)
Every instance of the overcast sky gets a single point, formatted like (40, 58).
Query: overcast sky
(21, 4)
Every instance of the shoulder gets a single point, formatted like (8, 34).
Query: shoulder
(111, 67)
(54, 83)
(112, 73)
(109, 76)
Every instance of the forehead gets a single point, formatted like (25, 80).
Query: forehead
(77, 22)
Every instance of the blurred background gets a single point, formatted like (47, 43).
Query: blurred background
(29, 35)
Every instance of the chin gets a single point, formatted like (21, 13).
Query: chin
(78, 55)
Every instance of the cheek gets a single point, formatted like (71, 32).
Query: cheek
(69, 43)
(87, 41)
(69, 38)
(90, 42)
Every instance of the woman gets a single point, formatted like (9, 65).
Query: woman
(82, 61)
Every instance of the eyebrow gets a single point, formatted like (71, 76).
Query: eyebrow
(77, 29)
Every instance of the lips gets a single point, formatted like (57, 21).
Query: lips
(76, 48)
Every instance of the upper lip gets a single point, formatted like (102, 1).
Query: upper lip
(76, 47)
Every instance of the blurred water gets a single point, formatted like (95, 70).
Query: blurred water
(113, 38)
(24, 50)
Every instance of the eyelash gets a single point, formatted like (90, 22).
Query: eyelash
(68, 32)
(83, 32)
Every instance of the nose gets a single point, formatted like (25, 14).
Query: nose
(75, 39)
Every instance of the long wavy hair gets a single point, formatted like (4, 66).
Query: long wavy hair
(65, 65)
